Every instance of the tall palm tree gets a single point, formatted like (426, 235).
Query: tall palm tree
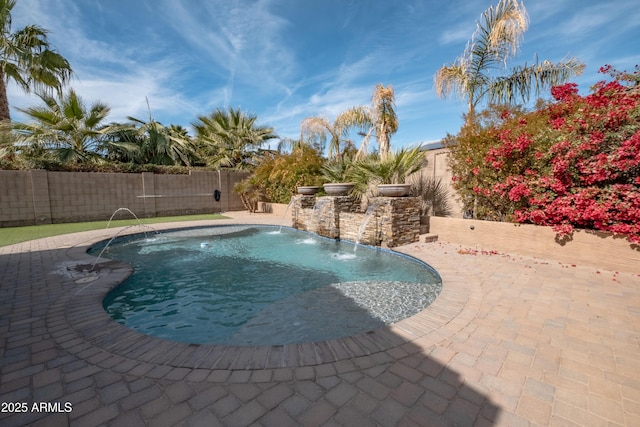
(159, 144)
(231, 138)
(476, 74)
(379, 120)
(26, 57)
(64, 128)
(122, 143)
(384, 118)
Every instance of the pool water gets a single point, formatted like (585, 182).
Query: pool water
(262, 285)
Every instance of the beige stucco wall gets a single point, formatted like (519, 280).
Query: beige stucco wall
(437, 167)
(43, 197)
(585, 248)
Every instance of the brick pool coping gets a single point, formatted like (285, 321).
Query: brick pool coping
(81, 312)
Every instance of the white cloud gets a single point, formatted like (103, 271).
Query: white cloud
(458, 35)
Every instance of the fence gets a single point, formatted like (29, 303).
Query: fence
(45, 197)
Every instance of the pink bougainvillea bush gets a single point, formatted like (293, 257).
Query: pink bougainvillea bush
(571, 163)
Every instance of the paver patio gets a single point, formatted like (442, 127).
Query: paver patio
(510, 341)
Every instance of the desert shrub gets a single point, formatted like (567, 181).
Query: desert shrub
(278, 175)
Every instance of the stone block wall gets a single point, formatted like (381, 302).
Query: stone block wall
(45, 197)
(302, 212)
(389, 221)
(400, 220)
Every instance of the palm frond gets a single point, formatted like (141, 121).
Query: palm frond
(535, 78)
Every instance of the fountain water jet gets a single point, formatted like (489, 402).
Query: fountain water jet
(122, 209)
(371, 210)
(284, 215)
(139, 224)
(118, 234)
(317, 211)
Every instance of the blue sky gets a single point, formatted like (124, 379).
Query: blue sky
(285, 60)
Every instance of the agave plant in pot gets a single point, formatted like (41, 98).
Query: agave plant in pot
(390, 174)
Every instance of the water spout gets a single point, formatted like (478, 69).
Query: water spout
(119, 210)
(371, 209)
(316, 214)
(139, 224)
(115, 236)
(284, 216)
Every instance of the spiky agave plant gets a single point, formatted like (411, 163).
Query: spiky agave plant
(433, 193)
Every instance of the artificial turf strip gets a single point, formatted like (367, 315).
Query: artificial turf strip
(12, 235)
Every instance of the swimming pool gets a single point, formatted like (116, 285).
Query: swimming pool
(262, 285)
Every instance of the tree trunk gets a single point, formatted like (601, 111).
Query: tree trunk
(5, 114)
(383, 142)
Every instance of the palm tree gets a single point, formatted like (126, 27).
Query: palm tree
(314, 130)
(159, 144)
(231, 138)
(474, 75)
(384, 118)
(123, 143)
(379, 119)
(65, 128)
(27, 58)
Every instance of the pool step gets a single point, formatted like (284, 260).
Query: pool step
(429, 238)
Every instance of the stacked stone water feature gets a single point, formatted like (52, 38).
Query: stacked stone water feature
(388, 221)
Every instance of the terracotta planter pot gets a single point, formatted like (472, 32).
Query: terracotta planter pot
(394, 190)
(308, 190)
(338, 188)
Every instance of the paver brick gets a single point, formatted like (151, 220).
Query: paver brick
(245, 414)
(341, 394)
(308, 389)
(374, 388)
(204, 418)
(177, 374)
(154, 407)
(407, 393)
(128, 419)
(389, 412)
(114, 392)
(172, 416)
(207, 397)
(278, 418)
(520, 342)
(226, 405)
(105, 378)
(317, 414)
(48, 393)
(274, 395)
(100, 416)
(178, 392)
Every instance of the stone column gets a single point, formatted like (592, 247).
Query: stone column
(400, 220)
(302, 212)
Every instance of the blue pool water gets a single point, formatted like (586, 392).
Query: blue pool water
(261, 285)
